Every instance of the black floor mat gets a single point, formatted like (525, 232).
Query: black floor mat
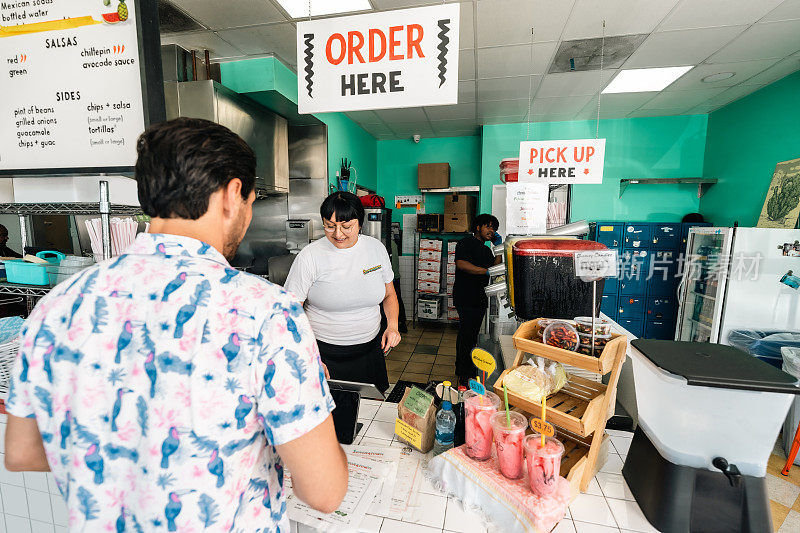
(400, 388)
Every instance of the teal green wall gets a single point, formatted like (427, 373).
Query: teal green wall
(254, 77)
(746, 139)
(397, 167)
(653, 147)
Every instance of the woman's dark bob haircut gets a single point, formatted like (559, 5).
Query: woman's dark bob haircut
(345, 205)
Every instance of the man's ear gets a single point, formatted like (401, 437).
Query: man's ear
(232, 194)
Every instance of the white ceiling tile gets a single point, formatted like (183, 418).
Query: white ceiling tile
(557, 106)
(682, 99)
(466, 64)
(616, 105)
(780, 69)
(742, 70)
(623, 17)
(710, 13)
(364, 117)
(515, 119)
(412, 128)
(659, 112)
(376, 129)
(514, 60)
(502, 108)
(555, 117)
(683, 47)
(788, 10)
(505, 22)
(245, 13)
(466, 34)
(507, 88)
(204, 40)
(573, 83)
(462, 124)
(762, 41)
(702, 109)
(451, 112)
(398, 4)
(402, 115)
(466, 92)
(731, 95)
(279, 39)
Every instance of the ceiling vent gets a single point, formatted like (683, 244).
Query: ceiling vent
(584, 54)
(173, 20)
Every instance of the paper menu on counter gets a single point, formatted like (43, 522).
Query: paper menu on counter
(391, 458)
(363, 483)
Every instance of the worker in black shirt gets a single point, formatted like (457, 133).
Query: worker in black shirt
(473, 258)
(5, 251)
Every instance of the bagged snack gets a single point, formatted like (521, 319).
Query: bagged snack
(536, 379)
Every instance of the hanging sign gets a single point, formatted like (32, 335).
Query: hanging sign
(73, 84)
(558, 162)
(591, 266)
(542, 428)
(526, 208)
(402, 58)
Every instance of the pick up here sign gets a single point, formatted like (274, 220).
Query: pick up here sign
(403, 58)
(575, 161)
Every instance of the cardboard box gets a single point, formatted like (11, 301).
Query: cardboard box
(451, 280)
(452, 314)
(451, 247)
(458, 222)
(430, 244)
(450, 303)
(430, 222)
(426, 275)
(433, 175)
(460, 203)
(430, 266)
(451, 267)
(428, 308)
(430, 255)
(433, 287)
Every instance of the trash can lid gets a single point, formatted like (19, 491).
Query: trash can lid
(716, 365)
(553, 247)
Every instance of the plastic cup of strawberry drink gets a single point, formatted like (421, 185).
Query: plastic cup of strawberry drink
(477, 423)
(508, 442)
(544, 463)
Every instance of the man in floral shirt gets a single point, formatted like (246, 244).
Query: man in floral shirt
(165, 389)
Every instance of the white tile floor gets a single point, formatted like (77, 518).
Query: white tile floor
(31, 503)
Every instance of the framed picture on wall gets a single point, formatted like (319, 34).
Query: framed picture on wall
(782, 205)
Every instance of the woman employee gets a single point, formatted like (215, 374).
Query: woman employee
(343, 278)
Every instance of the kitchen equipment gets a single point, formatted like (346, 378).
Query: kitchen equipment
(732, 280)
(298, 234)
(544, 281)
(430, 222)
(278, 268)
(25, 273)
(708, 419)
(378, 224)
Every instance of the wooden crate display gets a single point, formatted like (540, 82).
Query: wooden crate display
(581, 409)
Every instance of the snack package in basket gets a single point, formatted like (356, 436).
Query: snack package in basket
(536, 379)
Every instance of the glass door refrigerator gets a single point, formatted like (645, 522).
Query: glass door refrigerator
(739, 278)
(702, 289)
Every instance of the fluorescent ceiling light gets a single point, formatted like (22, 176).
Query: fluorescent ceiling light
(642, 80)
(298, 9)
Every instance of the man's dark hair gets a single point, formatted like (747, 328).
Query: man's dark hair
(485, 220)
(345, 205)
(182, 162)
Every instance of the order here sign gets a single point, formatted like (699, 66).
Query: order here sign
(576, 161)
(403, 58)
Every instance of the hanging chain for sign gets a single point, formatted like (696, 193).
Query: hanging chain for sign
(530, 91)
(600, 89)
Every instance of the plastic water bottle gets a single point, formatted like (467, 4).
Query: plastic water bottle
(445, 423)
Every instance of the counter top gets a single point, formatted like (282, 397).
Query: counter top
(608, 501)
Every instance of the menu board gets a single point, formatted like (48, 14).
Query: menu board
(72, 85)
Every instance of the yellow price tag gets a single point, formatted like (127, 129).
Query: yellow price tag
(409, 434)
(606, 228)
(543, 428)
(483, 360)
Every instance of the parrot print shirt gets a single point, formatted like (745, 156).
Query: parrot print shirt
(161, 381)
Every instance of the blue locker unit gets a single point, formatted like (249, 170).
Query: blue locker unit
(659, 329)
(611, 286)
(634, 326)
(631, 307)
(663, 271)
(661, 308)
(608, 305)
(637, 235)
(634, 272)
(609, 234)
(665, 236)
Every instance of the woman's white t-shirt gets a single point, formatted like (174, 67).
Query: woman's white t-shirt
(342, 288)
